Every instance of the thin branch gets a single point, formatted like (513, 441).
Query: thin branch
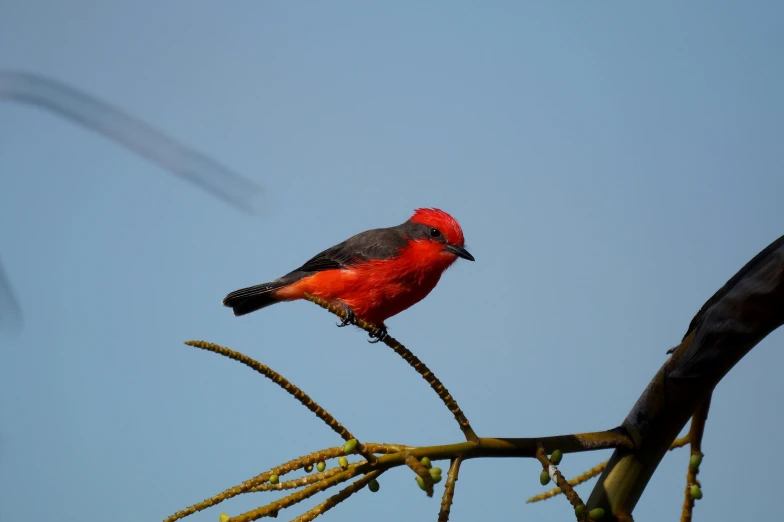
(336, 499)
(696, 431)
(558, 478)
(297, 482)
(449, 489)
(284, 383)
(312, 478)
(421, 471)
(249, 484)
(591, 473)
(413, 361)
(576, 481)
(272, 508)
(680, 442)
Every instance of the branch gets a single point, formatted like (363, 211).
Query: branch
(413, 361)
(449, 490)
(284, 383)
(559, 480)
(591, 473)
(734, 320)
(696, 431)
(336, 499)
(378, 457)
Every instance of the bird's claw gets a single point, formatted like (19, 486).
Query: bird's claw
(350, 317)
(379, 333)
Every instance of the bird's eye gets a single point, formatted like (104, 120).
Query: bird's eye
(434, 232)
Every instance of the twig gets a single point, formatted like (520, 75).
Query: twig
(336, 499)
(576, 481)
(249, 484)
(272, 508)
(413, 361)
(558, 478)
(413, 463)
(284, 383)
(297, 482)
(449, 489)
(591, 473)
(696, 431)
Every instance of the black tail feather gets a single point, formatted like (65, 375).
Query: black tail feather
(247, 300)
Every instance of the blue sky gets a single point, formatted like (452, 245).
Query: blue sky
(612, 166)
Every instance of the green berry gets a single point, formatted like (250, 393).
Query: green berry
(421, 482)
(308, 468)
(695, 461)
(579, 511)
(343, 461)
(596, 514)
(436, 479)
(556, 457)
(349, 446)
(321, 466)
(224, 517)
(435, 472)
(373, 485)
(695, 492)
(274, 479)
(544, 477)
(425, 462)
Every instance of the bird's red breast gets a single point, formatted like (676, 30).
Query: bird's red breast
(380, 288)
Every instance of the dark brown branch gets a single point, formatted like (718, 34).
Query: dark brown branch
(737, 317)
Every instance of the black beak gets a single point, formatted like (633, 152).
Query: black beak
(460, 252)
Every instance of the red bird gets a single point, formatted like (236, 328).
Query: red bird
(374, 275)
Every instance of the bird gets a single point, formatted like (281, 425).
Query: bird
(372, 275)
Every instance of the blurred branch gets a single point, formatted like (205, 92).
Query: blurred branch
(134, 134)
(139, 137)
(10, 314)
(734, 320)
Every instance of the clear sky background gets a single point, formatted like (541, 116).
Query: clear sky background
(612, 166)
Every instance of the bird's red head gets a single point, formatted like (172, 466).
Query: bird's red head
(438, 219)
(445, 235)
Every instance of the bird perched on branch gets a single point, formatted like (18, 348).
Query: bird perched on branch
(373, 275)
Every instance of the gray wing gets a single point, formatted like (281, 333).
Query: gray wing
(380, 243)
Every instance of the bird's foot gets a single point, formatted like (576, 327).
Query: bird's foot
(350, 317)
(379, 333)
